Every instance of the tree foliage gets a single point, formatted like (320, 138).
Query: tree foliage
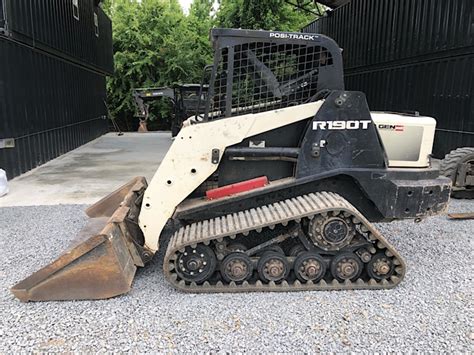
(156, 44)
(266, 15)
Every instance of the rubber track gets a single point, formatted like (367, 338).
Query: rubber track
(294, 209)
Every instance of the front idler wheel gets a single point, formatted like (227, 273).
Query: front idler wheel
(196, 264)
(346, 266)
(380, 267)
(273, 266)
(236, 267)
(309, 267)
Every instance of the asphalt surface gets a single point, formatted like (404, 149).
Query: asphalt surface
(432, 310)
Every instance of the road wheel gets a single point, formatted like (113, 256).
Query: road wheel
(309, 267)
(236, 267)
(346, 266)
(273, 267)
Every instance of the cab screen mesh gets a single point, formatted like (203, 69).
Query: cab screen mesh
(261, 76)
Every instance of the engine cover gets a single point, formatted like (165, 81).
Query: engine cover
(408, 140)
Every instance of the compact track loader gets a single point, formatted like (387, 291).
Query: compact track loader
(185, 99)
(273, 188)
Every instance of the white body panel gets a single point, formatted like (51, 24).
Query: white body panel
(408, 140)
(188, 161)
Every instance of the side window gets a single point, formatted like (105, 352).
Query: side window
(75, 9)
(96, 24)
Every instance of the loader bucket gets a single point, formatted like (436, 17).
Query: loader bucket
(103, 259)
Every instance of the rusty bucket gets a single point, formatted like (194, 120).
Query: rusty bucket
(103, 259)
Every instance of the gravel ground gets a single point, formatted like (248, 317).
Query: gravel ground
(430, 311)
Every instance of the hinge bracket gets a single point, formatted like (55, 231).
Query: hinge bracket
(215, 156)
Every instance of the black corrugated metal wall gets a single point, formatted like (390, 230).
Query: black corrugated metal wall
(51, 26)
(411, 55)
(52, 80)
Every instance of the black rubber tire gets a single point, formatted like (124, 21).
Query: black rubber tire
(266, 257)
(338, 258)
(234, 256)
(301, 259)
(449, 165)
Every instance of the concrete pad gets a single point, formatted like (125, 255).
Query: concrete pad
(91, 171)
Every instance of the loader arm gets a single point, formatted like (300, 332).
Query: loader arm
(189, 161)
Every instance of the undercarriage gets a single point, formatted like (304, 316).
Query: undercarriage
(311, 242)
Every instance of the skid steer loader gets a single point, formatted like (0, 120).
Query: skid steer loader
(273, 188)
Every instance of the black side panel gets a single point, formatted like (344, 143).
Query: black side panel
(343, 185)
(380, 194)
(341, 136)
